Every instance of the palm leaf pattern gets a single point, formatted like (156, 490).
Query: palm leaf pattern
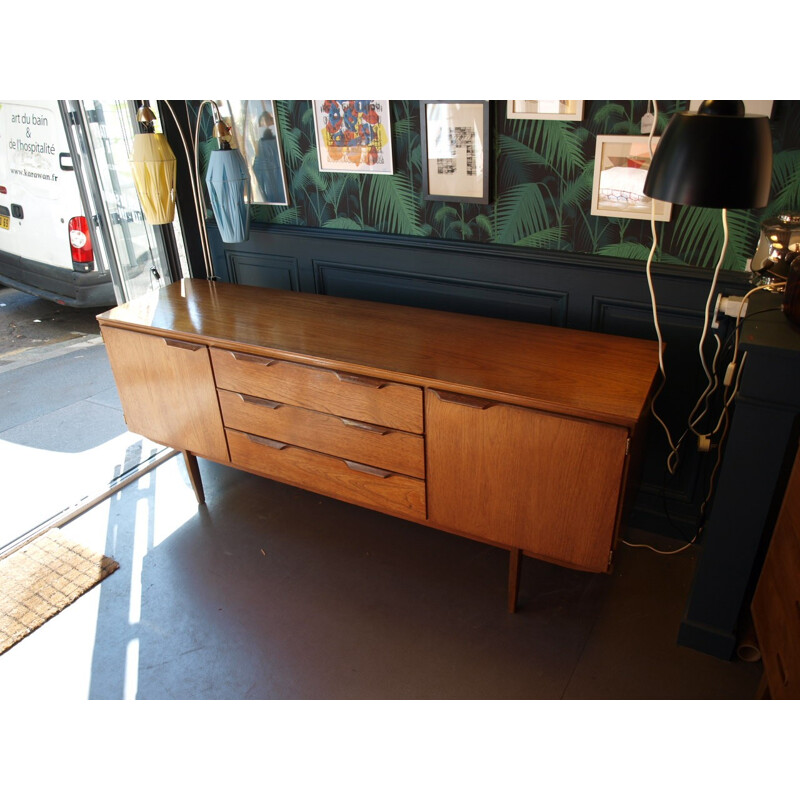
(542, 173)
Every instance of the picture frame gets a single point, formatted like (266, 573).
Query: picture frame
(565, 110)
(620, 170)
(353, 136)
(255, 129)
(455, 150)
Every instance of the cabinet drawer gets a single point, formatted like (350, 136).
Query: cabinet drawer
(364, 442)
(335, 477)
(393, 405)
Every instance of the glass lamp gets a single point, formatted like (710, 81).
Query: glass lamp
(228, 183)
(153, 165)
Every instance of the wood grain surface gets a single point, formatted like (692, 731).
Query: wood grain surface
(586, 374)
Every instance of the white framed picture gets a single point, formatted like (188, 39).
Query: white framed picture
(620, 170)
(565, 110)
(455, 150)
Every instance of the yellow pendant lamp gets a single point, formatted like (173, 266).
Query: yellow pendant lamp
(153, 165)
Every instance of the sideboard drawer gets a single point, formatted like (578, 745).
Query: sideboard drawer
(335, 477)
(365, 442)
(382, 402)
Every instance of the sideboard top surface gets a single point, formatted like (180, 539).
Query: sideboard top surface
(593, 375)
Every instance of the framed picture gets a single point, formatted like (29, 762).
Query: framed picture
(565, 110)
(455, 150)
(255, 130)
(620, 170)
(353, 136)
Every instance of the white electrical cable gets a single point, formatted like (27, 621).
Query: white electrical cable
(711, 387)
(672, 458)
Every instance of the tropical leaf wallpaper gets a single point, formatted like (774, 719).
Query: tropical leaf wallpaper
(541, 179)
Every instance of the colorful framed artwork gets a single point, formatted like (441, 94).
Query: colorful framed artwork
(455, 150)
(353, 136)
(620, 170)
(566, 110)
(254, 128)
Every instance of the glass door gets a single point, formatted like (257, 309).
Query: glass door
(139, 256)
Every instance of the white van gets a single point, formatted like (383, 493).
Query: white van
(45, 237)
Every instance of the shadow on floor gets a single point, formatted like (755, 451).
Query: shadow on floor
(271, 592)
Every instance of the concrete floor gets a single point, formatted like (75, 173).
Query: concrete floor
(271, 592)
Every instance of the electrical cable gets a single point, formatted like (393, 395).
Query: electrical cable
(711, 387)
(711, 374)
(648, 272)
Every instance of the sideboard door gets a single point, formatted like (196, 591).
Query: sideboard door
(167, 391)
(547, 484)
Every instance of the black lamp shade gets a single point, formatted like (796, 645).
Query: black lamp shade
(718, 157)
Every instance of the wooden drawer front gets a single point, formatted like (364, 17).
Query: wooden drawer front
(393, 405)
(352, 482)
(364, 442)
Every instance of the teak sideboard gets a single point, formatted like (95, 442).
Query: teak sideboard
(520, 435)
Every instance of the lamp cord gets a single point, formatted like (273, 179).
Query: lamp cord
(710, 374)
(673, 456)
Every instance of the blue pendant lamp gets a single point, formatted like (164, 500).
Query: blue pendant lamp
(228, 183)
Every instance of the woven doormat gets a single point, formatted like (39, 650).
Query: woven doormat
(41, 579)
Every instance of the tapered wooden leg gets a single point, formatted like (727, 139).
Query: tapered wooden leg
(514, 569)
(194, 476)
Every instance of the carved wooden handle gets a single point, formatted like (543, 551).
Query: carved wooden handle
(479, 403)
(380, 473)
(182, 345)
(267, 362)
(268, 442)
(258, 401)
(366, 426)
(361, 380)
